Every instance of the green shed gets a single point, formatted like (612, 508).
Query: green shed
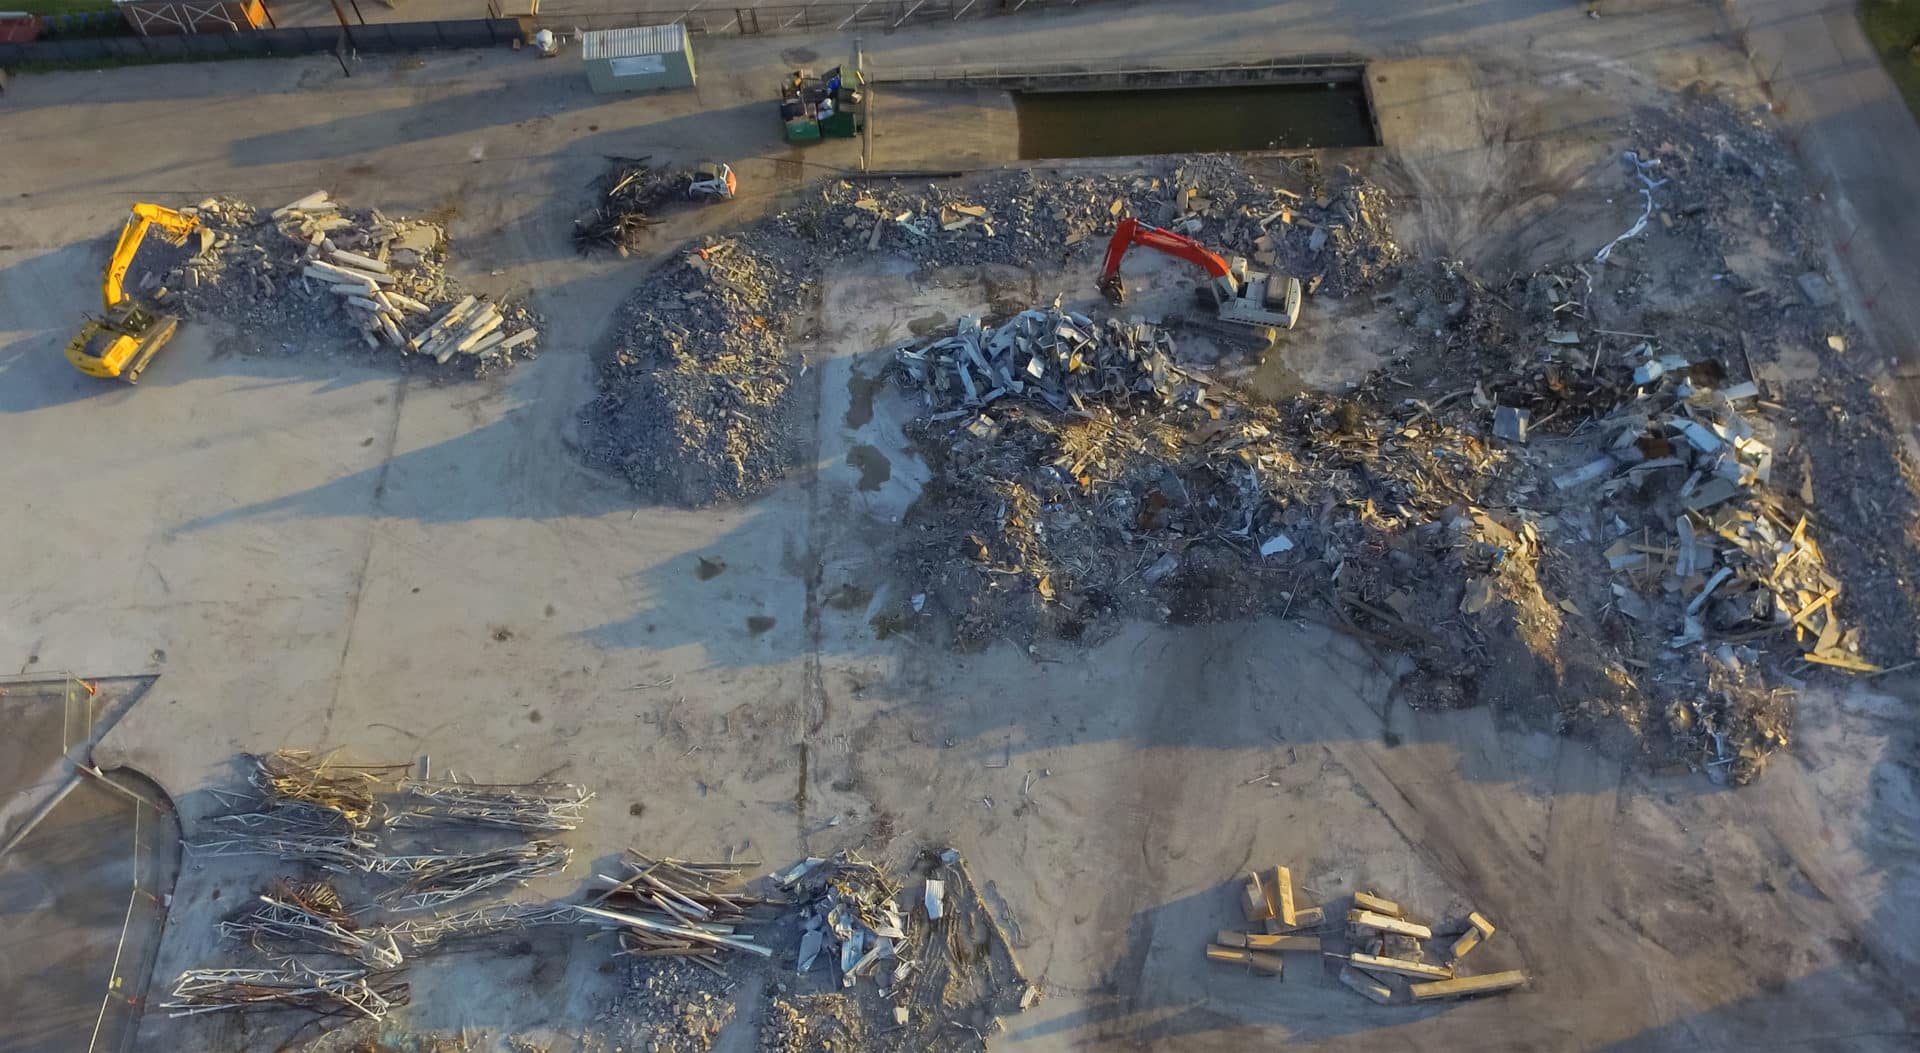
(639, 58)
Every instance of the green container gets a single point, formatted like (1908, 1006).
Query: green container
(841, 125)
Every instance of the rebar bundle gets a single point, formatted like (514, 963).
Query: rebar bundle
(524, 806)
(436, 880)
(311, 917)
(293, 985)
(675, 908)
(300, 775)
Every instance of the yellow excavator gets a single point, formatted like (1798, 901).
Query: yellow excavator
(121, 342)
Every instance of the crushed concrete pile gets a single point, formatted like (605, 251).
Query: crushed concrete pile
(695, 400)
(314, 266)
(666, 1005)
(696, 391)
(819, 1023)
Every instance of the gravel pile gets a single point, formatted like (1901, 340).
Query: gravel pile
(695, 402)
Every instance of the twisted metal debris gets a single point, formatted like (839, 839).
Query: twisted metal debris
(522, 806)
(292, 985)
(1047, 356)
(675, 908)
(301, 776)
(436, 880)
(311, 917)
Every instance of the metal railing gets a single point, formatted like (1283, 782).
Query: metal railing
(264, 43)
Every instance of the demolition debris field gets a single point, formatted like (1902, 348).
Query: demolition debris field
(1583, 493)
(1550, 584)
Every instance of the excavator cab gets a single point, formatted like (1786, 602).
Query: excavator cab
(121, 342)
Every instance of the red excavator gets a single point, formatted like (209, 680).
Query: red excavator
(1237, 296)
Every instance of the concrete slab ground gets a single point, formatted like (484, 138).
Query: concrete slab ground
(313, 551)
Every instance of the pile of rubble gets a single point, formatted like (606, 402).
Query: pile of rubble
(1330, 231)
(1391, 959)
(314, 264)
(666, 1006)
(695, 394)
(695, 399)
(1052, 357)
(821, 1023)
(920, 958)
(1598, 480)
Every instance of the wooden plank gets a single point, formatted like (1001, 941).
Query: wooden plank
(1283, 896)
(1259, 962)
(1367, 919)
(1401, 966)
(1491, 983)
(1368, 901)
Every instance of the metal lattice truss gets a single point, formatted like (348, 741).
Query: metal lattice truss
(283, 920)
(526, 806)
(292, 985)
(425, 933)
(345, 854)
(433, 881)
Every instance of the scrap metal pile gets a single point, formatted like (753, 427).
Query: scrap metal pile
(1057, 358)
(309, 808)
(1391, 959)
(315, 263)
(631, 194)
(669, 908)
(918, 958)
(329, 992)
(535, 806)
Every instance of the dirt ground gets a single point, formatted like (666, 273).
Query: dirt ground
(313, 551)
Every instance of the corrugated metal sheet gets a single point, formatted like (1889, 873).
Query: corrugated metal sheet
(636, 40)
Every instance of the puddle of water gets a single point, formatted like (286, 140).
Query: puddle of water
(1183, 120)
(933, 323)
(860, 391)
(873, 466)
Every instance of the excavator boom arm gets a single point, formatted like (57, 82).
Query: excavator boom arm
(177, 225)
(1132, 232)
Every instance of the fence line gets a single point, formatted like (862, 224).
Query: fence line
(721, 19)
(265, 43)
